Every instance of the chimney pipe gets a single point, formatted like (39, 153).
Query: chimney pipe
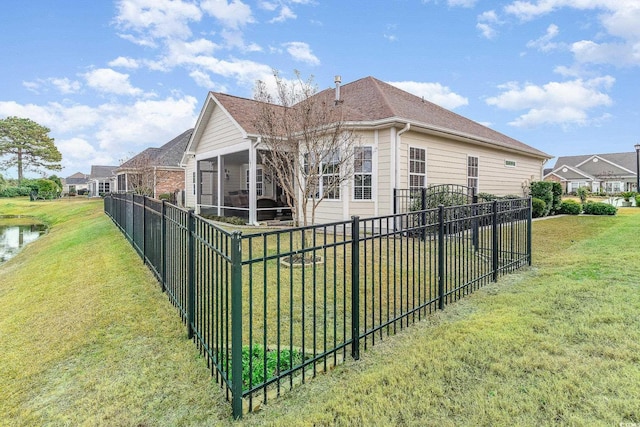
(337, 81)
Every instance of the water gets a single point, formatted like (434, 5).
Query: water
(15, 237)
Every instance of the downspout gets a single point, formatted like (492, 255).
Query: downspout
(397, 149)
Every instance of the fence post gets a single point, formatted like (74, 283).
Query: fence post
(529, 233)
(441, 257)
(494, 241)
(236, 324)
(191, 281)
(474, 213)
(144, 229)
(355, 287)
(163, 249)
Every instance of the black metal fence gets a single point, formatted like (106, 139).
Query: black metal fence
(271, 309)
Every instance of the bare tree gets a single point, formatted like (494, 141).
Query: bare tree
(309, 149)
(140, 173)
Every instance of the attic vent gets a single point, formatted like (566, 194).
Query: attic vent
(595, 160)
(564, 170)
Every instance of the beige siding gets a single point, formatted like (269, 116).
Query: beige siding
(447, 164)
(219, 132)
(190, 198)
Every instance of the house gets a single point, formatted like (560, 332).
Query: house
(155, 171)
(608, 173)
(407, 141)
(76, 184)
(102, 180)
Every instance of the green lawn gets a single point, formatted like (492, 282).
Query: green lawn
(87, 338)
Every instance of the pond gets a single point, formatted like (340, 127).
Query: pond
(16, 233)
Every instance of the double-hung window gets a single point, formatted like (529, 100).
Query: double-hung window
(330, 183)
(363, 173)
(259, 181)
(472, 172)
(417, 168)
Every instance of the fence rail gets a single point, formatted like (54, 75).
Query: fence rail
(271, 309)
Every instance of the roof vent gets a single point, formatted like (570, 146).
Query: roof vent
(337, 81)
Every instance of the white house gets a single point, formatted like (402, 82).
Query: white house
(406, 142)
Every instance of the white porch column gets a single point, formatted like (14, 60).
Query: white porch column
(220, 178)
(253, 204)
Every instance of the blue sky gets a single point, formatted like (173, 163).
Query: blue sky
(111, 78)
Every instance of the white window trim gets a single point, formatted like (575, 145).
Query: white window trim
(409, 173)
(477, 177)
(373, 173)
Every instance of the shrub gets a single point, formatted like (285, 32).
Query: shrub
(599, 208)
(570, 207)
(556, 190)
(538, 207)
(637, 200)
(627, 195)
(582, 192)
(543, 190)
(486, 197)
(15, 192)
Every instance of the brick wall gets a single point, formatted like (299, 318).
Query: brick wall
(168, 181)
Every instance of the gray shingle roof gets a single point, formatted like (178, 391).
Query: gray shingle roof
(168, 155)
(372, 100)
(102, 171)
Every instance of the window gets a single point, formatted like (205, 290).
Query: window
(330, 183)
(472, 172)
(259, 181)
(325, 179)
(363, 169)
(417, 168)
(103, 187)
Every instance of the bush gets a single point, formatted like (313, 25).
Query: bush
(486, 197)
(627, 195)
(556, 190)
(538, 207)
(598, 208)
(543, 190)
(15, 192)
(637, 200)
(583, 193)
(570, 207)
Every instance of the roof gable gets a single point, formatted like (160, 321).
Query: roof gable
(367, 101)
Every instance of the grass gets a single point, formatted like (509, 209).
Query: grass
(88, 339)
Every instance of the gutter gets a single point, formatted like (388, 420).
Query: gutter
(406, 127)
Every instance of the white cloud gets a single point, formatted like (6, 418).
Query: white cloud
(124, 62)
(102, 134)
(487, 21)
(556, 103)
(433, 92)
(202, 79)
(109, 81)
(619, 18)
(301, 52)
(461, 3)
(285, 13)
(156, 19)
(234, 14)
(586, 51)
(66, 86)
(545, 43)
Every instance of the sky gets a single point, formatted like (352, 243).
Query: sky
(111, 78)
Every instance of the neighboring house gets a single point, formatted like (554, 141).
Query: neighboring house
(155, 171)
(76, 183)
(405, 140)
(102, 180)
(608, 173)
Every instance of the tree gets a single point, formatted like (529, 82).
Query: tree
(26, 145)
(307, 146)
(140, 172)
